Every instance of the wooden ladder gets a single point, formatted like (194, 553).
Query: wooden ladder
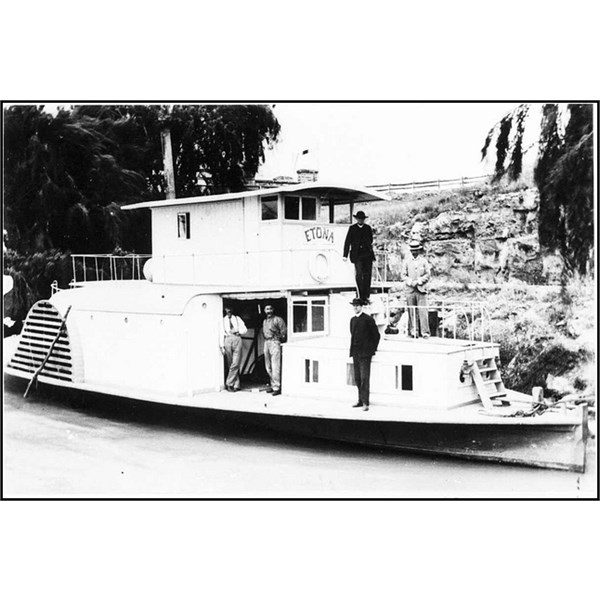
(488, 381)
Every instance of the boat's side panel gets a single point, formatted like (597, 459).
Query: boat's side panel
(203, 358)
(129, 350)
(210, 255)
(557, 447)
(399, 377)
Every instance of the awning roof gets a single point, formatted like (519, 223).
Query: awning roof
(340, 194)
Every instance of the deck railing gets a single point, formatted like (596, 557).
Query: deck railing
(107, 267)
(456, 320)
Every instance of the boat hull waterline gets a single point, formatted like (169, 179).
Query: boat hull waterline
(548, 441)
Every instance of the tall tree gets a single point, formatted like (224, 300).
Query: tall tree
(221, 144)
(63, 185)
(563, 174)
(66, 176)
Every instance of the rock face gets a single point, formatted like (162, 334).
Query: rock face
(546, 333)
(483, 237)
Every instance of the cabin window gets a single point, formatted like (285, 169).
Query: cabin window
(309, 315)
(407, 377)
(311, 371)
(300, 317)
(298, 208)
(269, 208)
(183, 225)
(309, 209)
(318, 315)
(292, 207)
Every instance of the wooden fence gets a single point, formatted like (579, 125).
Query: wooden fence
(434, 184)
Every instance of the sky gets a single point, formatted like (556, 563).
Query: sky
(379, 143)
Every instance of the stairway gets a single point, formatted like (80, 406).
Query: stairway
(488, 381)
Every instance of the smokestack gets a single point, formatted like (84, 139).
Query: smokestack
(165, 137)
(307, 175)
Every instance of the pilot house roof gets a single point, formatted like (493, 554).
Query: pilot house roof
(339, 194)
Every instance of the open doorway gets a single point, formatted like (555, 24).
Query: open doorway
(253, 374)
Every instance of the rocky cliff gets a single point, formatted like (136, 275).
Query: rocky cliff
(473, 236)
(483, 245)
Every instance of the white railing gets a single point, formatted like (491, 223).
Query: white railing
(107, 267)
(456, 320)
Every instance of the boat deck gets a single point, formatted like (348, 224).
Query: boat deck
(258, 402)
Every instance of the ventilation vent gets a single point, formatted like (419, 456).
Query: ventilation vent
(40, 330)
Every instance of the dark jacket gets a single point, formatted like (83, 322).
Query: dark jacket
(359, 243)
(364, 336)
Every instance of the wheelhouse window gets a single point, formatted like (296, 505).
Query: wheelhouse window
(309, 316)
(292, 208)
(269, 208)
(183, 225)
(297, 208)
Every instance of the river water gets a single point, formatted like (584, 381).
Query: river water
(60, 446)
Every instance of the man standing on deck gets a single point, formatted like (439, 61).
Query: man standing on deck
(364, 339)
(233, 328)
(416, 272)
(274, 332)
(359, 244)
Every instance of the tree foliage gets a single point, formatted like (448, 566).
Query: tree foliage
(66, 176)
(563, 173)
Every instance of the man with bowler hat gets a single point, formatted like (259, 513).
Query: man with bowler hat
(359, 245)
(364, 339)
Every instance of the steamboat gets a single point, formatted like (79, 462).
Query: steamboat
(147, 328)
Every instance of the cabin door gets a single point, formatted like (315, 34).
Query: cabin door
(252, 368)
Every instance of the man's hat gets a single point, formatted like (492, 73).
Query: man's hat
(360, 215)
(415, 245)
(357, 302)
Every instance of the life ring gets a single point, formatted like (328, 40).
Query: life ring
(148, 270)
(318, 267)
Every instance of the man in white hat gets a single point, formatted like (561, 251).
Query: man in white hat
(416, 272)
(359, 245)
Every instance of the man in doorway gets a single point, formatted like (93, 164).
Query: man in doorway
(233, 328)
(364, 339)
(416, 272)
(274, 332)
(359, 245)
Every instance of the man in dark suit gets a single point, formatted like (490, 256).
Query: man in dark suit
(359, 245)
(363, 345)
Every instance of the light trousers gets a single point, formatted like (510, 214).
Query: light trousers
(272, 350)
(418, 314)
(233, 352)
